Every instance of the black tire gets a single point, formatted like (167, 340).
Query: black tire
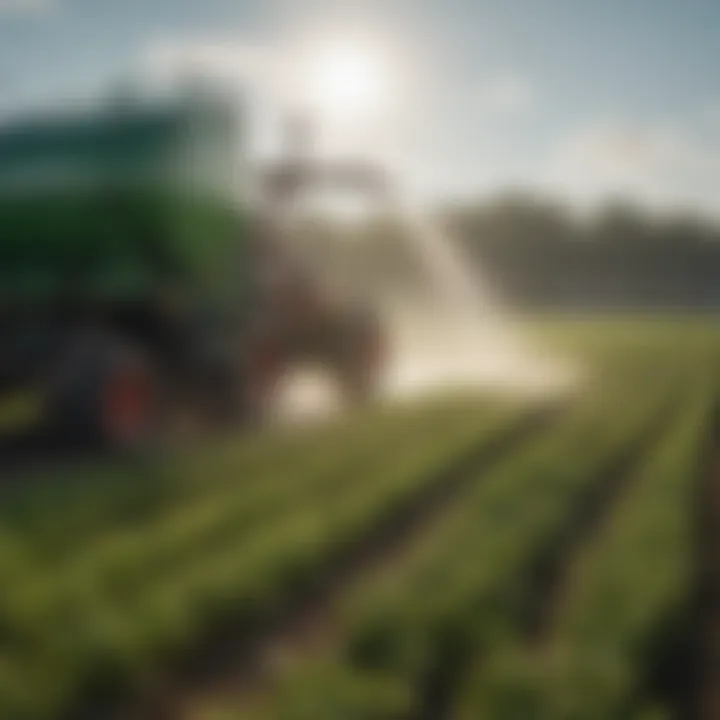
(104, 391)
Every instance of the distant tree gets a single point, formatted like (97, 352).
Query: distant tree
(621, 255)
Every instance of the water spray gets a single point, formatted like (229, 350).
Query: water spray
(462, 338)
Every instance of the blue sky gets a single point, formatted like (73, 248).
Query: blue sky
(579, 98)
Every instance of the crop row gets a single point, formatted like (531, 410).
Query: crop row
(629, 594)
(60, 511)
(463, 586)
(115, 613)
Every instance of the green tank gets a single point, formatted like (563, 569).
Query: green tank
(117, 201)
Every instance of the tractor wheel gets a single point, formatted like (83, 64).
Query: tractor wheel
(104, 391)
(128, 403)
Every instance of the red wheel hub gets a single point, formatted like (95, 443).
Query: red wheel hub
(127, 405)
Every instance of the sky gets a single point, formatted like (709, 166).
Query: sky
(579, 99)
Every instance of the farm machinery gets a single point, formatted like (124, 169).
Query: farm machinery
(135, 279)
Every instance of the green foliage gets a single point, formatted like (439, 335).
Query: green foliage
(543, 256)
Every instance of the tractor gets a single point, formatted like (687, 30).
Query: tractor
(139, 280)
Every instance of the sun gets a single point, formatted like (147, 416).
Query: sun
(347, 80)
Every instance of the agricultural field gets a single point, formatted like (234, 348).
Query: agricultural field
(459, 556)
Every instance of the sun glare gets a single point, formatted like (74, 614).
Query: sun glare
(347, 81)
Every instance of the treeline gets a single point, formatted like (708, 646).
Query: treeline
(540, 255)
(537, 254)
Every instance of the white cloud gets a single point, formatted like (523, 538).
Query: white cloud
(617, 151)
(656, 165)
(239, 63)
